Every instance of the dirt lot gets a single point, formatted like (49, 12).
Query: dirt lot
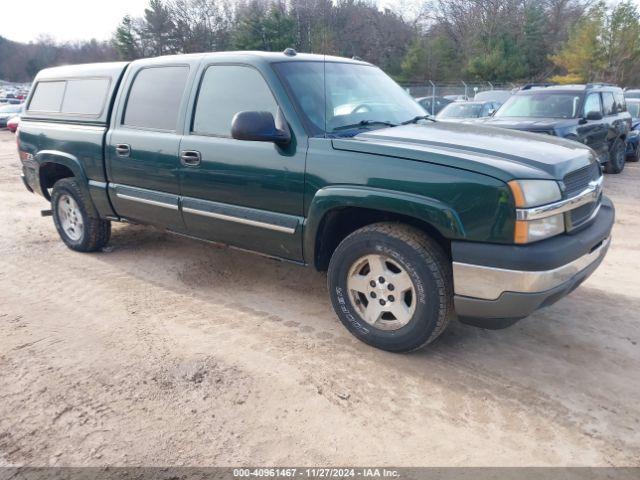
(163, 350)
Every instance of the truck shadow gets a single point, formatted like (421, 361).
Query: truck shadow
(588, 318)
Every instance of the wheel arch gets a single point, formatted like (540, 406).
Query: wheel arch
(336, 212)
(53, 166)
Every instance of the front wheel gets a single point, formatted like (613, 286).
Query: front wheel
(391, 286)
(617, 157)
(74, 218)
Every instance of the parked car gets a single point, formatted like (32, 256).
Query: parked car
(632, 93)
(7, 112)
(593, 114)
(466, 111)
(633, 140)
(14, 121)
(415, 221)
(495, 96)
(457, 98)
(438, 104)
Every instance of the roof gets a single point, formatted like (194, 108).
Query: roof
(244, 55)
(530, 89)
(109, 69)
(113, 69)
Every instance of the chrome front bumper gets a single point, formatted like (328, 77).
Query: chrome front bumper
(489, 283)
(495, 285)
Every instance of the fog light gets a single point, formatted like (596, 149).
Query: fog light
(528, 231)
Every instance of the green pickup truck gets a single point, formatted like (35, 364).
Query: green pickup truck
(326, 162)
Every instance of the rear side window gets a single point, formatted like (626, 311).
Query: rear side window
(86, 96)
(48, 96)
(155, 97)
(608, 103)
(80, 96)
(225, 91)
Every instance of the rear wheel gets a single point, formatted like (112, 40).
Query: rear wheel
(635, 155)
(617, 157)
(391, 286)
(75, 219)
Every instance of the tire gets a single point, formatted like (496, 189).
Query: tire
(76, 219)
(617, 156)
(635, 156)
(418, 315)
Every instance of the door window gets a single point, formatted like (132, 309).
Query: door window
(608, 103)
(593, 104)
(621, 105)
(155, 96)
(225, 91)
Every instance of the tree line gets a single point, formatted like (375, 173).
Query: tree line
(441, 40)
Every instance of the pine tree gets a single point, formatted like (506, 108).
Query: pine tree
(125, 40)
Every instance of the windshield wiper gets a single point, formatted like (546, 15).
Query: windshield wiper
(418, 118)
(365, 123)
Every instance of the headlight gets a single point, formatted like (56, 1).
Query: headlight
(534, 193)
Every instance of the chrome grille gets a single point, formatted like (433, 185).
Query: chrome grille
(576, 181)
(582, 213)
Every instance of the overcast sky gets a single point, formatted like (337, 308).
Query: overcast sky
(67, 19)
(78, 19)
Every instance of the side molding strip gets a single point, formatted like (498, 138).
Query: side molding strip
(146, 201)
(244, 221)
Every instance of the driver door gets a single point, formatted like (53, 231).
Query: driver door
(242, 193)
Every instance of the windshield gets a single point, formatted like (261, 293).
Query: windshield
(634, 109)
(542, 105)
(632, 94)
(461, 110)
(354, 93)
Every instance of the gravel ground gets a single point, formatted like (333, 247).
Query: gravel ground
(166, 351)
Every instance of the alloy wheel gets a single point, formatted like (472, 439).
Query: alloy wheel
(382, 292)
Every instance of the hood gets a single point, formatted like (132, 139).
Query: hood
(503, 154)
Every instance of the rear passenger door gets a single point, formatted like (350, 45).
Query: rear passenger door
(616, 121)
(622, 122)
(593, 133)
(242, 193)
(142, 149)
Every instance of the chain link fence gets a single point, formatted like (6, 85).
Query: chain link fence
(461, 88)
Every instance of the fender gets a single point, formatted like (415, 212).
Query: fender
(434, 212)
(61, 158)
(97, 191)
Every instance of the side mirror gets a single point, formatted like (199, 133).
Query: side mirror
(594, 116)
(261, 127)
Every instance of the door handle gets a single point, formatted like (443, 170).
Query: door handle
(190, 158)
(123, 150)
